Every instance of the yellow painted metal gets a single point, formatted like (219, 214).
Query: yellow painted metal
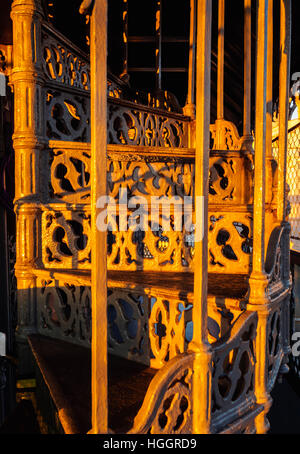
(247, 139)
(189, 108)
(202, 361)
(98, 40)
(260, 145)
(43, 269)
(26, 79)
(247, 68)
(220, 78)
(284, 81)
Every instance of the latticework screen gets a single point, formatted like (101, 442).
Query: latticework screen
(293, 178)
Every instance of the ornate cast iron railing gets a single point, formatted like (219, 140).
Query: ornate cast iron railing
(168, 404)
(145, 173)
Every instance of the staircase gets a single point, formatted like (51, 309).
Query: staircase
(150, 294)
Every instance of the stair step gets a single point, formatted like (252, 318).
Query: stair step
(234, 286)
(66, 370)
(219, 285)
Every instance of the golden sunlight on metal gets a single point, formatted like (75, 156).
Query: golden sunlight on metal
(198, 330)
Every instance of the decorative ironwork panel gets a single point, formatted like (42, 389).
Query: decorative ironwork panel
(63, 65)
(167, 328)
(230, 242)
(168, 404)
(147, 327)
(67, 116)
(64, 310)
(70, 174)
(277, 260)
(66, 238)
(230, 178)
(225, 136)
(162, 100)
(156, 246)
(175, 411)
(128, 315)
(150, 178)
(233, 371)
(149, 250)
(132, 125)
(274, 346)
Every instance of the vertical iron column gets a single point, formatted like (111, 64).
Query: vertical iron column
(258, 282)
(202, 363)
(98, 49)
(284, 79)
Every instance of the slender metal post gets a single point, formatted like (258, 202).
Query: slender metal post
(260, 140)
(269, 82)
(98, 49)
(202, 364)
(158, 45)
(284, 78)
(219, 142)
(270, 188)
(125, 37)
(247, 139)
(190, 108)
(258, 282)
(220, 79)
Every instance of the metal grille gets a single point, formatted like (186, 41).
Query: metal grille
(293, 178)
